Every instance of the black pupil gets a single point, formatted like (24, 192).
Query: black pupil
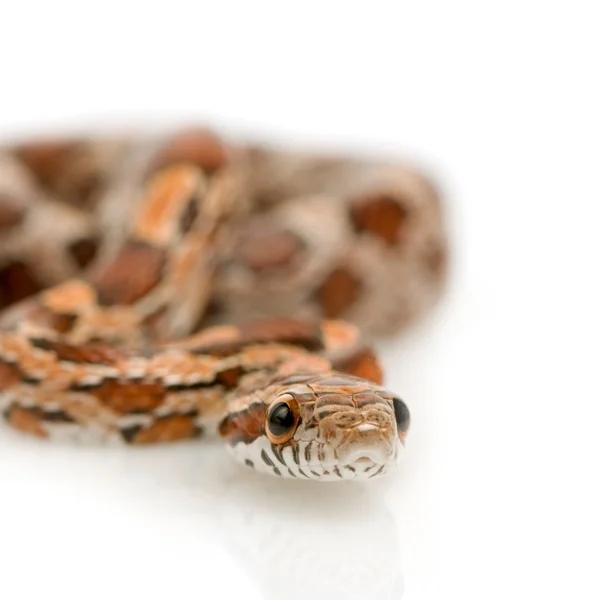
(402, 415)
(281, 419)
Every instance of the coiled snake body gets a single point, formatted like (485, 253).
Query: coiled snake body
(152, 289)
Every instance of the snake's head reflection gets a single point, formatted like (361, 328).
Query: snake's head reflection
(297, 542)
(326, 427)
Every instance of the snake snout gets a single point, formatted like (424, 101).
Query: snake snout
(367, 442)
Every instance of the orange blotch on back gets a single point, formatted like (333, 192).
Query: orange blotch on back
(338, 293)
(199, 147)
(27, 421)
(363, 363)
(135, 271)
(166, 429)
(61, 323)
(165, 204)
(245, 425)
(69, 297)
(261, 249)
(380, 215)
(9, 375)
(93, 352)
(126, 397)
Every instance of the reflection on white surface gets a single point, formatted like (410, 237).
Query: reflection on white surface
(302, 540)
(195, 523)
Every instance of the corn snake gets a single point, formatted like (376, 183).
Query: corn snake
(154, 289)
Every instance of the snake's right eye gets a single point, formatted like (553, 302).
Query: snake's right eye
(282, 420)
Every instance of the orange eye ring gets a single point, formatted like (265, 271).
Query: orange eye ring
(282, 419)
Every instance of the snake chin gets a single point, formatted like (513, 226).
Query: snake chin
(291, 463)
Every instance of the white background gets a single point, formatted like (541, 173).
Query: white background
(497, 497)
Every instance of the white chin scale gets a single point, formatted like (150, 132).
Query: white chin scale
(260, 456)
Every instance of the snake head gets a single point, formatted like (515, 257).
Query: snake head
(326, 427)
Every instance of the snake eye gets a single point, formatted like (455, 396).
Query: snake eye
(282, 420)
(402, 415)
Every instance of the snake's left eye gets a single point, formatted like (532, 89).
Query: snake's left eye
(402, 415)
(282, 420)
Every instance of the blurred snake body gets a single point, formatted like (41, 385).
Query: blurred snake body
(152, 290)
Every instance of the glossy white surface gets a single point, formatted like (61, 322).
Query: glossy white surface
(497, 496)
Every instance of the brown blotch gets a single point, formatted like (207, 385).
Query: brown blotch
(59, 322)
(338, 293)
(380, 215)
(9, 375)
(229, 378)
(84, 251)
(26, 420)
(65, 168)
(48, 160)
(11, 213)
(262, 249)
(199, 147)
(362, 363)
(17, 282)
(130, 397)
(96, 353)
(166, 429)
(244, 426)
(132, 274)
(283, 330)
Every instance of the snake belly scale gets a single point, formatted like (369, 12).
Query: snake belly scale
(155, 289)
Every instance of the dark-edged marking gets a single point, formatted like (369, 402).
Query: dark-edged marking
(278, 453)
(320, 453)
(376, 472)
(296, 453)
(189, 216)
(307, 452)
(269, 462)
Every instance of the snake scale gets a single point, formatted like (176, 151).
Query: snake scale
(152, 289)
